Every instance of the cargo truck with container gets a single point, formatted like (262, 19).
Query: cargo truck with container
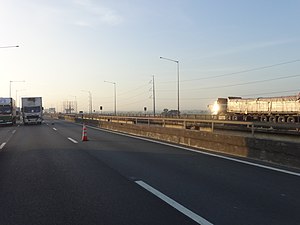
(7, 111)
(32, 110)
(282, 109)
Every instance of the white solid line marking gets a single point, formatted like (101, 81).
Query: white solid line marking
(174, 204)
(204, 153)
(2, 145)
(14, 131)
(54, 129)
(74, 141)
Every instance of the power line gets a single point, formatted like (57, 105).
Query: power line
(125, 92)
(134, 102)
(137, 95)
(239, 84)
(238, 72)
(245, 71)
(247, 83)
(187, 98)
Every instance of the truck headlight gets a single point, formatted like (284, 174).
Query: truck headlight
(215, 108)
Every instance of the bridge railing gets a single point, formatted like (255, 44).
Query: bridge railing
(181, 123)
(207, 124)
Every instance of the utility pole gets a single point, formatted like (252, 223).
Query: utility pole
(153, 94)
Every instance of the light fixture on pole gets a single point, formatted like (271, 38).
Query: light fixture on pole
(115, 95)
(176, 61)
(90, 101)
(10, 46)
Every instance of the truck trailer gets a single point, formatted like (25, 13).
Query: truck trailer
(32, 110)
(265, 109)
(7, 111)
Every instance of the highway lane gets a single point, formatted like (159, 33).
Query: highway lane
(222, 191)
(6, 132)
(46, 173)
(47, 179)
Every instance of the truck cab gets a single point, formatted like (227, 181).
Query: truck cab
(32, 110)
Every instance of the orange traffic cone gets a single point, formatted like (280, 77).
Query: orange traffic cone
(84, 133)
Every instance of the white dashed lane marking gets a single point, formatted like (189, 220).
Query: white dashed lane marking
(74, 141)
(174, 204)
(2, 145)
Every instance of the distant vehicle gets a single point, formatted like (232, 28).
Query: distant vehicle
(267, 109)
(170, 113)
(7, 111)
(32, 110)
(52, 111)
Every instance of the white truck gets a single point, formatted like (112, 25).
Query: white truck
(32, 110)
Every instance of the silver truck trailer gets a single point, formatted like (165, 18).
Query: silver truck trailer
(266, 109)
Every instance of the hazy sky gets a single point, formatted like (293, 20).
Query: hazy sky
(67, 46)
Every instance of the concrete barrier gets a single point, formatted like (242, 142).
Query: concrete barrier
(279, 152)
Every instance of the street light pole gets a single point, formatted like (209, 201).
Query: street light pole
(11, 81)
(115, 95)
(17, 102)
(75, 104)
(11, 46)
(153, 89)
(176, 61)
(90, 101)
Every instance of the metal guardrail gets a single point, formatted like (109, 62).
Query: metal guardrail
(194, 124)
(185, 123)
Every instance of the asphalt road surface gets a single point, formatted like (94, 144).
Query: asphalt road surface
(48, 176)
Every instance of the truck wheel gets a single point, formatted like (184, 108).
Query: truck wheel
(291, 119)
(263, 119)
(281, 119)
(272, 119)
